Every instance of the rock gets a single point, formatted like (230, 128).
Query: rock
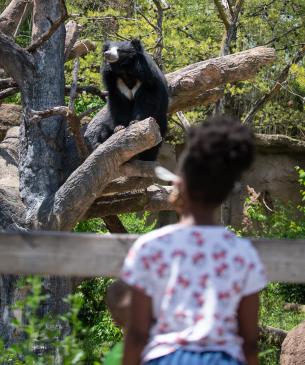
(10, 115)
(293, 347)
(9, 150)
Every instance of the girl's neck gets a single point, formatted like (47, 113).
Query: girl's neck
(201, 216)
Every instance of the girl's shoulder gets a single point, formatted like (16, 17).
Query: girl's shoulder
(163, 234)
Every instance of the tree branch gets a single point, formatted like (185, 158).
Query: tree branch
(73, 121)
(114, 224)
(8, 92)
(12, 16)
(272, 335)
(222, 14)
(72, 33)
(73, 91)
(76, 195)
(259, 104)
(127, 184)
(16, 61)
(81, 48)
(139, 168)
(195, 79)
(8, 82)
(153, 199)
(185, 124)
(90, 89)
(48, 34)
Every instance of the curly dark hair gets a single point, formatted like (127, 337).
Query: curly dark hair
(217, 153)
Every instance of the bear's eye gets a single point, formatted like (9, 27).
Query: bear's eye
(106, 47)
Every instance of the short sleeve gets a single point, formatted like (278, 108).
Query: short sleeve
(136, 270)
(255, 279)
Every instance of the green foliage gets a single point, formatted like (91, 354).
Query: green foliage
(284, 221)
(40, 336)
(101, 333)
(95, 225)
(272, 314)
(135, 223)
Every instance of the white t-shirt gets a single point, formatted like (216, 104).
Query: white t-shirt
(196, 277)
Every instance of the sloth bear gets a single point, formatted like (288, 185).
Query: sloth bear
(137, 89)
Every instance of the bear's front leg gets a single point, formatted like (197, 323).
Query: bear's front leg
(118, 128)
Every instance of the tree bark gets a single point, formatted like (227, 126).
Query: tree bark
(154, 198)
(13, 15)
(40, 77)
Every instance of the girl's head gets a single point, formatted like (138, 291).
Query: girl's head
(217, 153)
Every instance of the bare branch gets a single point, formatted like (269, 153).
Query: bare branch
(195, 79)
(185, 124)
(228, 38)
(114, 224)
(15, 60)
(74, 125)
(294, 307)
(90, 89)
(25, 13)
(72, 33)
(159, 30)
(8, 82)
(222, 14)
(8, 92)
(73, 91)
(154, 198)
(272, 335)
(13, 15)
(146, 19)
(48, 34)
(81, 48)
(259, 104)
(127, 184)
(139, 168)
(88, 111)
(190, 101)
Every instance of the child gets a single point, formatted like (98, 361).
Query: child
(118, 302)
(194, 284)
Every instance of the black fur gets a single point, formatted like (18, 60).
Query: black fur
(150, 100)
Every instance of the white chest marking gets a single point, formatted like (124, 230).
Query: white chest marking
(124, 89)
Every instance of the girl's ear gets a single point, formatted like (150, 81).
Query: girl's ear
(137, 45)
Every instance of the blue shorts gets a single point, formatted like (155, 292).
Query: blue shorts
(184, 357)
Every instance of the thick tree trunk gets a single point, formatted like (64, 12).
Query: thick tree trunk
(42, 142)
(40, 77)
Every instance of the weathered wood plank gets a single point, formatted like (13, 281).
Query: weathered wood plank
(71, 254)
(64, 254)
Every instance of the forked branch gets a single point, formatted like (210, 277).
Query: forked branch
(86, 183)
(16, 61)
(48, 34)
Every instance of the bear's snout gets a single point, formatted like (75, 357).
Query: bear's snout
(111, 55)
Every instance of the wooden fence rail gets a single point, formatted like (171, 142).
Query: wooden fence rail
(89, 255)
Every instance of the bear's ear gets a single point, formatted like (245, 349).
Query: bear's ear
(137, 45)
(106, 46)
